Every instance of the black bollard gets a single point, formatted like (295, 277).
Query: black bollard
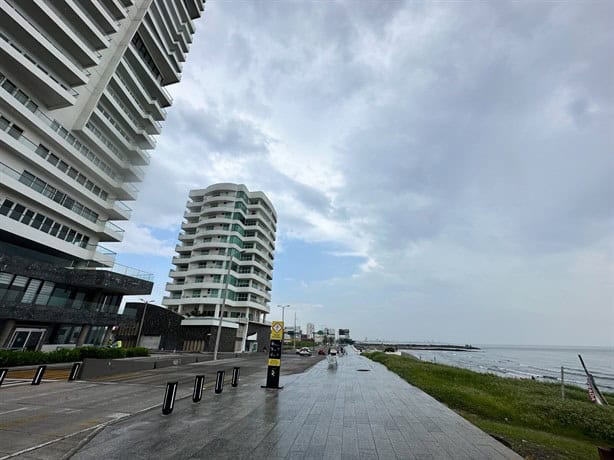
(199, 383)
(74, 372)
(219, 382)
(169, 398)
(235, 376)
(3, 373)
(39, 375)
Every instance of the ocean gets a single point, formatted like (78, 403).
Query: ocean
(541, 363)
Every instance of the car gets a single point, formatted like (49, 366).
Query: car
(304, 352)
(321, 351)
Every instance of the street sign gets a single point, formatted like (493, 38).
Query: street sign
(274, 363)
(277, 330)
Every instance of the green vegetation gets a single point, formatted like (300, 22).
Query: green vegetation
(23, 358)
(529, 415)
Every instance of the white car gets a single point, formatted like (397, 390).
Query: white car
(304, 352)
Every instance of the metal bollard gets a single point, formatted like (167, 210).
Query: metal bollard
(199, 383)
(3, 373)
(219, 382)
(235, 376)
(74, 372)
(169, 398)
(39, 375)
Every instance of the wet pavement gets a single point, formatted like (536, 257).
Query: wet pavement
(358, 410)
(52, 420)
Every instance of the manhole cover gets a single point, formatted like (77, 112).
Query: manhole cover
(363, 370)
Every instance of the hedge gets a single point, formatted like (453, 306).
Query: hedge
(23, 358)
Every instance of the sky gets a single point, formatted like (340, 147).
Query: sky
(441, 171)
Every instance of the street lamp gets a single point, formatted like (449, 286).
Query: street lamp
(138, 336)
(225, 294)
(283, 310)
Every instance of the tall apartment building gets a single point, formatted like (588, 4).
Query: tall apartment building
(225, 260)
(81, 98)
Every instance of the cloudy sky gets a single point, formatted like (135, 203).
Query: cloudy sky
(441, 171)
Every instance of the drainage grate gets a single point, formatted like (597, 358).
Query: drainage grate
(363, 370)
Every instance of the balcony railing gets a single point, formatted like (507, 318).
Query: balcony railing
(55, 78)
(121, 269)
(5, 169)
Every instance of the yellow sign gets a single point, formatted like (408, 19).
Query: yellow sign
(275, 362)
(277, 330)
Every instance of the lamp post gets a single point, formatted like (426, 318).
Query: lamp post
(138, 336)
(283, 310)
(294, 335)
(219, 325)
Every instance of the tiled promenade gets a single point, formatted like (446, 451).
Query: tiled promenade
(342, 413)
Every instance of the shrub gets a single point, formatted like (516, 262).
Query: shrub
(9, 358)
(136, 351)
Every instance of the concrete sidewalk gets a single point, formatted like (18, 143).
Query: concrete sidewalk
(359, 410)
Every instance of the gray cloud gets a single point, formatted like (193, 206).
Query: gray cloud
(466, 149)
(216, 131)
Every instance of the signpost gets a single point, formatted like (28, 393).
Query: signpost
(274, 364)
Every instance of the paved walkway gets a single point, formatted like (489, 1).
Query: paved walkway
(358, 411)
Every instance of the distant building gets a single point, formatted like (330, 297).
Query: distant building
(81, 98)
(225, 259)
(290, 333)
(310, 329)
(162, 329)
(344, 334)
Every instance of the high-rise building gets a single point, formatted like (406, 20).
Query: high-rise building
(81, 97)
(225, 262)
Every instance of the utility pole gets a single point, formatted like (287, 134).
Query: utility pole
(283, 310)
(225, 294)
(295, 329)
(138, 336)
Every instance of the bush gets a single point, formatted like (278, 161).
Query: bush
(9, 358)
(136, 351)
(102, 353)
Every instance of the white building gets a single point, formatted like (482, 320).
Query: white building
(310, 330)
(81, 98)
(225, 260)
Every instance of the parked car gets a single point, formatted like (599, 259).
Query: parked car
(321, 351)
(304, 352)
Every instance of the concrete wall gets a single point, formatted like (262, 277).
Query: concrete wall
(264, 334)
(165, 323)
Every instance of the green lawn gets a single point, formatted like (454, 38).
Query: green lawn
(529, 415)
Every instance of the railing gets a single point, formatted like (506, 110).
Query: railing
(54, 42)
(124, 108)
(123, 207)
(157, 80)
(130, 115)
(127, 87)
(119, 268)
(45, 71)
(110, 226)
(18, 176)
(85, 151)
(106, 141)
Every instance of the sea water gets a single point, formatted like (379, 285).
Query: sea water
(540, 363)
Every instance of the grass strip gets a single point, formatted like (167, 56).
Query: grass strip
(529, 415)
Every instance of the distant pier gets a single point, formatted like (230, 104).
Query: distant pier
(415, 346)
